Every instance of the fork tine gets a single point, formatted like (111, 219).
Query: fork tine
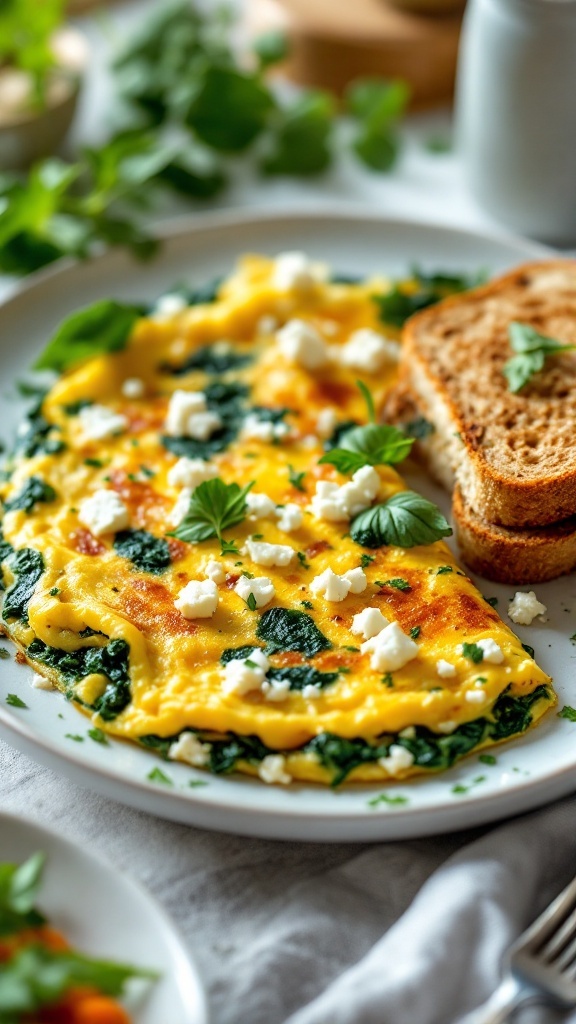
(544, 927)
(559, 939)
(567, 957)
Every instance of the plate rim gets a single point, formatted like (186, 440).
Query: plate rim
(183, 962)
(487, 807)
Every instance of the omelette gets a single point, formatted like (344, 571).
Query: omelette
(207, 546)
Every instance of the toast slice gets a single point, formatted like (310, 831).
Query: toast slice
(499, 553)
(512, 455)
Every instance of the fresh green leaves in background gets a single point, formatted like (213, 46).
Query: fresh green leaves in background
(19, 885)
(532, 350)
(26, 27)
(190, 103)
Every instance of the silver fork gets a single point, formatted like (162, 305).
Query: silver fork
(539, 967)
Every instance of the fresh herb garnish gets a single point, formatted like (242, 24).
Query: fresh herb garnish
(529, 650)
(228, 400)
(213, 360)
(532, 350)
(296, 479)
(214, 507)
(415, 632)
(74, 736)
(367, 396)
(405, 520)
(568, 712)
(285, 629)
(444, 569)
(98, 736)
(96, 330)
(390, 801)
(487, 759)
(157, 775)
(146, 552)
(369, 446)
(34, 491)
(397, 583)
(251, 602)
(14, 701)
(492, 601)
(302, 559)
(473, 652)
(365, 560)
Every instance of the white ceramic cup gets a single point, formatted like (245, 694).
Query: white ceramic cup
(516, 113)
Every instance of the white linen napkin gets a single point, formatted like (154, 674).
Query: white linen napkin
(293, 933)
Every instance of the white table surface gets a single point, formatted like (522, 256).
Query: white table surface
(222, 891)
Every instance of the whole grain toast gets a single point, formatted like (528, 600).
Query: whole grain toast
(500, 553)
(512, 455)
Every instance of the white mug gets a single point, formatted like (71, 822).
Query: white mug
(516, 113)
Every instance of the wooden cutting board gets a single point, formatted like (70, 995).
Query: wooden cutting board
(334, 41)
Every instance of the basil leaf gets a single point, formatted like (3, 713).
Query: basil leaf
(533, 349)
(369, 446)
(299, 142)
(377, 105)
(284, 629)
(405, 520)
(96, 330)
(214, 507)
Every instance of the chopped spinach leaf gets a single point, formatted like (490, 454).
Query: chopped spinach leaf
(300, 676)
(35, 439)
(487, 759)
(213, 360)
(6, 548)
(34, 491)
(229, 402)
(285, 629)
(98, 736)
(296, 479)
(365, 560)
(529, 650)
(27, 566)
(403, 300)
(146, 552)
(418, 428)
(493, 601)
(224, 754)
(415, 632)
(73, 408)
(111, 661)
(341, 756)
(238, 653)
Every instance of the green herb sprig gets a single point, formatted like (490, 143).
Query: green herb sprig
(214, 507)
(405, 520)
(532, 350)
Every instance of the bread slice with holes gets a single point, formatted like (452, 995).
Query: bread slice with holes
(513, 456)
(500, 553)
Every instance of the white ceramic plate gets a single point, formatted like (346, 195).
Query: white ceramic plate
(106, 915)
(528, 772)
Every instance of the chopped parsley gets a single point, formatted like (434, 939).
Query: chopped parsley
(473, 652)
(389, 801)
(74, 736)
(397, 583)
(14, 701)
(568, 712)
(444, 569)
(415, 632)
(251, 602)
(157, 775)
(98, 736)
(296, 479)
(487, 759)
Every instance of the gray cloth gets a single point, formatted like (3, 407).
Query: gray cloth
(291, 933)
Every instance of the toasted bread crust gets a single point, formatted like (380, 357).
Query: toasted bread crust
(513, 556)
(516, 464)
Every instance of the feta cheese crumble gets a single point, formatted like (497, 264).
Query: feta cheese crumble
(169, 305)
(215, 571)
(289, 517)
(272, 769)
(263, 553)
(311, 691)
(333, 503)
(133, 387)
(368, 623)
(445, 669)
(368, 351)
(256, 429)
(275, 689)
(242, 675)
(523, 608)
(259, 505)
(188, 416)
(294, 271)
(103, 512)
(333, 587)
(300, 342)
(475, 696)
(327, 422)
(390, 649)
(191, 472)
(261, 588)
(180, 508)
(189, 749)
(198, 599)
(41, 682)
(397, 759)
(447, 727)
(492, 652)
(97, 422)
